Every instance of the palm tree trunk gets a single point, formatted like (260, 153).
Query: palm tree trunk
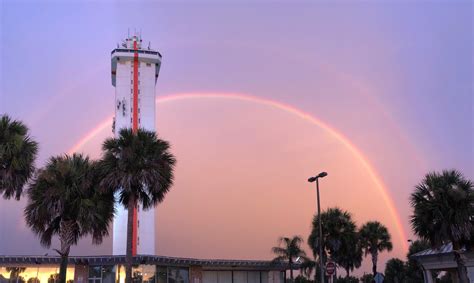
(374, 263)
(347, 272)
(65, 237)
(63, 269)
(460, 261)
(291, 271)
(129, 256)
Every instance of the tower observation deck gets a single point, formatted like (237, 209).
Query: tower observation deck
(134, 75)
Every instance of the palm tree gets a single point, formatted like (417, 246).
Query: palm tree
(339, 238)
(290, 250)
(64, 200)
(443, 207)
(139, 167)
(374, 238)
(17, 155)
(350, 255)
(395, 271)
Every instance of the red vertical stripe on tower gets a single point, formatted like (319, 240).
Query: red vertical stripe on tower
(135, 129)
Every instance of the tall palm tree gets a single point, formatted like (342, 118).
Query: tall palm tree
(17, 155)
(350, 255)
(443, 207)
(139, 167)
(374, 238)
(339, 238)
(290, 250)
(64, 200)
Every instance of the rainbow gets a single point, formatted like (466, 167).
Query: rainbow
(280, 106)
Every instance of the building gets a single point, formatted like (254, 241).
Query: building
(147, 269)
(442, 259)
(134, 74)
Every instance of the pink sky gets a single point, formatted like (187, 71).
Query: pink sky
(394, 78)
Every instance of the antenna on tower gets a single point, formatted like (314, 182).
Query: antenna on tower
(128, 33)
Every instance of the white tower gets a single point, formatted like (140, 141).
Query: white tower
(134, 75)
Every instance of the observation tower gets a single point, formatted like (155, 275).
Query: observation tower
(134, 74)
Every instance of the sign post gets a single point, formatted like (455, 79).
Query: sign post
(330, 270)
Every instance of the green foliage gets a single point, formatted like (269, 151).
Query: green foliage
(289, 249)
(17, 155)
(64, 200)
(301, 279)
(443, 206)
(139, 166)
(367, 278)
(307, 267)
(395, 271)
(340, 238)
(374, 238)
(414, 270)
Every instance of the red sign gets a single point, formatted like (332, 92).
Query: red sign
(330, 268)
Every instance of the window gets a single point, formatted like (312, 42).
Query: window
(148, 64)
(95, 274)
(161, 274)
(178, 275)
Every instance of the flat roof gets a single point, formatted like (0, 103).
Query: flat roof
(228, 264)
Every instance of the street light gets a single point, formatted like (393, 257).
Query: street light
(311, 180)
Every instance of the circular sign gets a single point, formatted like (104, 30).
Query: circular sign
(330, 267)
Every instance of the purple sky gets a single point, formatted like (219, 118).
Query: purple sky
(395, 78)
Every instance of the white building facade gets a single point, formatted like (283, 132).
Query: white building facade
(134, 74)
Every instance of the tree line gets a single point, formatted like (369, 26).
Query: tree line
(443, 213)
(73, 196)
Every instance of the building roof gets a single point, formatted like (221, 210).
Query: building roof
(444, 249)
(228, 264)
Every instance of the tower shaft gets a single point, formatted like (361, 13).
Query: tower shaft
(134, 75)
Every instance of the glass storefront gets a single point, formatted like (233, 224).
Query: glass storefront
(149, 274)
(102, 274)
(235, 277)
(178, 275)
(33, 274)
(42, 273)
(161, 274)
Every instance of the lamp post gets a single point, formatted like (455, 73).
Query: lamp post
(321, 263)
